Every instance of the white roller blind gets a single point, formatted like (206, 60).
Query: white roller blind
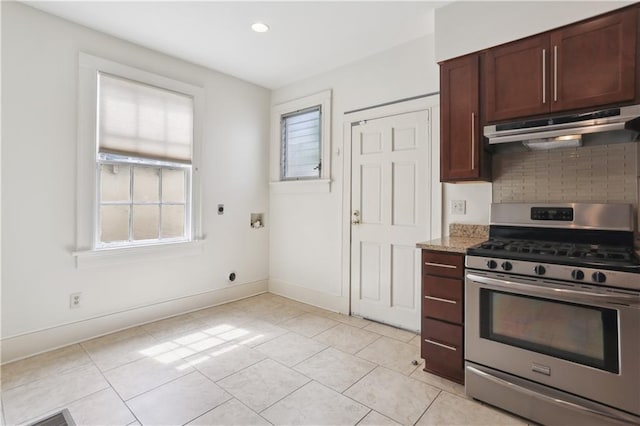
(301, 144)
(143, 121)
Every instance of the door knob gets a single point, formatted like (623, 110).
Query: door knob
(356, 217)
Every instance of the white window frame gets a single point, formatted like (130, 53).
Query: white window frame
(88, 250)
(321, 184)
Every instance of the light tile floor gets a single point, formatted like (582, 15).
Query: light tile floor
(258, 361)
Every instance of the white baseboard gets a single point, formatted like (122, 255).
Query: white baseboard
(35, 342)
(309, 296)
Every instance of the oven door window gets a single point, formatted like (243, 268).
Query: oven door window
(583, 334)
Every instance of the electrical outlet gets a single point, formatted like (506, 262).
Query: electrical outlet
(458, 207)
(74, 300)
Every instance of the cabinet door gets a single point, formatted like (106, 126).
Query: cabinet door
(442, 299)
(594, 62)
(442, 349)
(461, 140)
(517, 76)
(443, 264)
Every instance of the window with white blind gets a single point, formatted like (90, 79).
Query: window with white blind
(145, 138)
(138, 144)
(300, 144)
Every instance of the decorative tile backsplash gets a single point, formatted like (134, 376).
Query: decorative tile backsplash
(603, 173)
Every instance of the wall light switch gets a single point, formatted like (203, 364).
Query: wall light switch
(458, 207)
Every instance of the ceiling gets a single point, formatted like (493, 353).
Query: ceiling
(306, 38)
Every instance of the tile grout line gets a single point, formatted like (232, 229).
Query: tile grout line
(363, 417)
(214, 407)
(341, 393)
(299, 387)
(159, 386)
(360, 379)
(110, 344)
(111, 386)
(372, 322)
(428, 406)
(413, 379)
(4, 418)
(380, 336)
(230, 374)
(48, 375)
(58, 408)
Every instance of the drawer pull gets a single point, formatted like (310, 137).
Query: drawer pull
(451, 348)
(440, 265)
(438, 299)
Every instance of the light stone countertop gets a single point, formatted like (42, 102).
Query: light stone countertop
(451, 244)
(460, 238)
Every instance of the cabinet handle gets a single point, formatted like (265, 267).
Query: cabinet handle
(544, 76)
(473, 141)
(453, 302)
(451, 348)
(440, 265)
(555, 73)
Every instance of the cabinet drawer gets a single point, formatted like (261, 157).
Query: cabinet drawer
(442, 298)
(442, 349)
(443, 264)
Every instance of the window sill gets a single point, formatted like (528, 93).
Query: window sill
(122, 255)
(316, 186)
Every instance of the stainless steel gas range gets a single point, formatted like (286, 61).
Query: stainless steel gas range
(553, 314)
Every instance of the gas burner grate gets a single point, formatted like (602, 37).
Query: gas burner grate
(558, 250)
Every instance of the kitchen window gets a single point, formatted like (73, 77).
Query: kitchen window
(138, 140)
(300, 146)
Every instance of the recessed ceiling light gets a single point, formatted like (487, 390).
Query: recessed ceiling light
(259, 27)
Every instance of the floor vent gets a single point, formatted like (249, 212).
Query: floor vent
(63, 418)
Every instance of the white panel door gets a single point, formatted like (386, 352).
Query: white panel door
(390, 214)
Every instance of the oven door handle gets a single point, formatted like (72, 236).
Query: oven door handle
(563, 293)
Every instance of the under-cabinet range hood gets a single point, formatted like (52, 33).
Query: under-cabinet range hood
(611, 125)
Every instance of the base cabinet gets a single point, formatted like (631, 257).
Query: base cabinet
(442, 332)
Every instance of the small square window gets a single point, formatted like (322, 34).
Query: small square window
(301, 144)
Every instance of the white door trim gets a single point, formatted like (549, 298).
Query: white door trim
(435, 187)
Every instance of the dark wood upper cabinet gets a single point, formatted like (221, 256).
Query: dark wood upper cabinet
(585, 65)
(516, 77)
(461, 137)
(591, 64)
(594, 62)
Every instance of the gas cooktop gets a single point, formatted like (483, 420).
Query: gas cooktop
(579, 242)
(604, 256)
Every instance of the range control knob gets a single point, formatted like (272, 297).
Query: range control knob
(507, 266)
(491, 264)
(599, 277)
(577, 274)
(539, 270)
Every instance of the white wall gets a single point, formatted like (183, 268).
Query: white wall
(468, 26)
(39, 82)
(305, 245)
(478, 203)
